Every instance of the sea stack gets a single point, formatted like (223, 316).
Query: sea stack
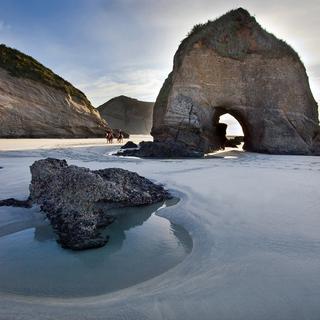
(232, 65)
(37, 103)
(77, 200)
(131, 115)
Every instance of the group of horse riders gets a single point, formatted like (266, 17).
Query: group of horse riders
(110, 136)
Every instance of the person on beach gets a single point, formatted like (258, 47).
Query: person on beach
(107, 136)
(120, 136)
(110, 137)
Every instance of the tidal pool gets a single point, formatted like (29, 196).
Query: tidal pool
(142, 245)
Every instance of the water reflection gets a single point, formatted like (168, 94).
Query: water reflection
(44, 232)
(126, 218)
(142, 245)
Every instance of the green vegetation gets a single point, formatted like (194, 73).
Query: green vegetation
(197, 28)
(234, 35)
(21, 65)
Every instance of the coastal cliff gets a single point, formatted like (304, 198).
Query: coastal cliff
(37, 103)
(233, 66)
(131, 115)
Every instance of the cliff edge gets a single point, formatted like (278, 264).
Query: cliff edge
(37, 103)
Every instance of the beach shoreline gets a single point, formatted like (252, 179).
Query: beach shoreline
(253, 219)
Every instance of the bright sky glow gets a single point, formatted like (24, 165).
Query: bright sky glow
(112, 47)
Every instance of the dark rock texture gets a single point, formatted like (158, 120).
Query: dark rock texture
(11, 202)
(128, 114)
(76, 200)
(232, 65)
(129, 145)
(161, 150)
(37, 103)
(234, 142)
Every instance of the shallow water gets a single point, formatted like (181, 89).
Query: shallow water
(254, 221)
(142, 245)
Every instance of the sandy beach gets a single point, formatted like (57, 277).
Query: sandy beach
(253, 219)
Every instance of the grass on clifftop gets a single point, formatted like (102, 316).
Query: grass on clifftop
(21, 65)
(234, 35)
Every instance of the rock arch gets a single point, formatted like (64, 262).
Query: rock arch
(232, 65)
(246, 128)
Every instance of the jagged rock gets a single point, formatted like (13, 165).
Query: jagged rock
(11, 202)
(161, 150)
(129, 145)
(128, 114)
(232, 65)
(234, 142)
(36, 103)
(77, 200)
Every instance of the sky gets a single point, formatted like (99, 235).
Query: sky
(108, 48)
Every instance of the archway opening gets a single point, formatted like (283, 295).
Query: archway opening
(230, 129)
(234, 128)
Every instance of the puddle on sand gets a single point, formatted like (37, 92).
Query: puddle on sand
(142, 245)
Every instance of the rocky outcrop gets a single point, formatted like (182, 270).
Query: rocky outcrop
(129, 145)
(232, 65)
(234, 142)
(11, 202)
(130, 115)
(161, 150)
(77, 200)
(36, 103)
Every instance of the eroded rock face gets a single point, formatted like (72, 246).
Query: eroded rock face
(77, 200)
(131, 115)
(129, 145)
(161, 150)
(12, 202)
(36, 103)
(233, 66)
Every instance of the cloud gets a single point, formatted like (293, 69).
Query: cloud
(314, 79)
(143, 84)
(127, 46)
(144, 34)
(234, 127)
